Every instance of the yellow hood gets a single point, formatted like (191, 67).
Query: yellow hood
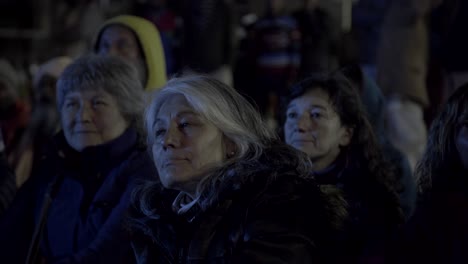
(150, 41)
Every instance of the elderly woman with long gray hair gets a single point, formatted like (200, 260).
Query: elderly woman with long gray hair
(228, 190)
(72, 208)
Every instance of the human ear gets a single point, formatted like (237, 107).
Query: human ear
(229, 148)
(346, 137)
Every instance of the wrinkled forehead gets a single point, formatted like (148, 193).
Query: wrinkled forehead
(81, 85)
(174, 105)
(77, 86)
(99, 92)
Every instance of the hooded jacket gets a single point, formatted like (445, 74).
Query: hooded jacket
(150, 42)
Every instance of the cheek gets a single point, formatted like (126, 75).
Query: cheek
(156, 156)
(288, 129)
(206, 152)
(66, 121)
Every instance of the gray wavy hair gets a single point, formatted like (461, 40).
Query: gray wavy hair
(221, 105)
(111, 74)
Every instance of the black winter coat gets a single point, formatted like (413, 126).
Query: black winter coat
(374, 213)
(269, 214)
(438, 231)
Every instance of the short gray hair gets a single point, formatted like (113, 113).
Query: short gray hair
(111, 74)
(220, 105)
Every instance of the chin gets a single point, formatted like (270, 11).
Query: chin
(305, 149)
(170, 179)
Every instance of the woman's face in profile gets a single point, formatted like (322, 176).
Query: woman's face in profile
(91, 118)
(313, 126)
(185, 144)
(461, 142)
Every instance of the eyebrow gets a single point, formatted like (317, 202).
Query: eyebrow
(179, 115)
(310, 106)
(70, 97)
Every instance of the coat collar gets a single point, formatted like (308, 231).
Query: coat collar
(96, 159)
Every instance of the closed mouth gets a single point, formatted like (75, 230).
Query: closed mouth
(84, 132)
(304, 140)
(174, 161)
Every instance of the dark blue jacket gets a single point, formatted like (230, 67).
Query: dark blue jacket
(84, 223)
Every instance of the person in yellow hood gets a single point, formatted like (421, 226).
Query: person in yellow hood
(138, 41)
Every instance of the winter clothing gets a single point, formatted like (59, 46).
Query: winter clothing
(438, 232)
(13, 129)
(319, 41)
(367, 19)
(374, 102)
(44, 121)
(373, 211)
(272, 61)
(209, 34)
(262, 211)
(403, 52)
(92, 193)
(150, 41)
(402, 72)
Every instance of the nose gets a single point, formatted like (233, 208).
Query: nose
(172, 138)
(84, 114)
(304, 123)
(113, 50)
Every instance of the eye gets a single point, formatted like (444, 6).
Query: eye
(184, 125)
(159, 132)
(99, 103)
(71, 104)
(291, 115)
(103, 47)
(316, 115)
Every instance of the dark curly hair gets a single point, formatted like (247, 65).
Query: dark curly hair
(364, 149)
(439, 167)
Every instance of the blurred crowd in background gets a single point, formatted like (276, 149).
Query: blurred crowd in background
(402, 59)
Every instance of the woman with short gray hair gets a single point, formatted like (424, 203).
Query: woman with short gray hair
(227, 189)
(112, 75)
(80, 191)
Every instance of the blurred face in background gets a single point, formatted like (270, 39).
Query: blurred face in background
(186, 145)
(120, 41)
(91, 118)
(313, 126)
